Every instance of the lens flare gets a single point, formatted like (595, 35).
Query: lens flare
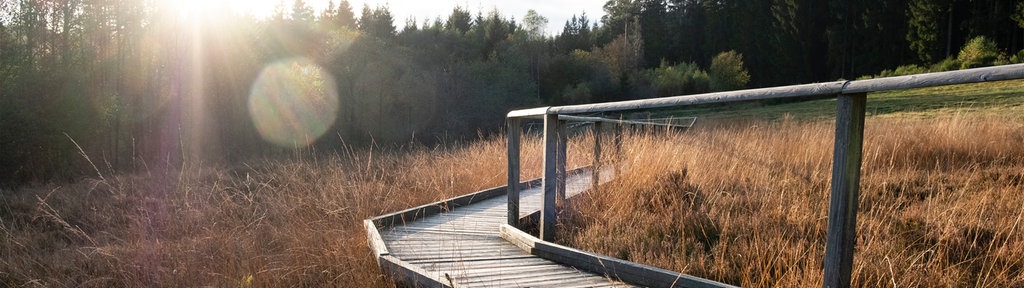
(293, 102)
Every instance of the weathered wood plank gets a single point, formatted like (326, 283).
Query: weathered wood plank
(508, 268)
(453, 252)
(514, 130)
(842, 213)
(549, 212)
(485, 264)
(564, 280)
(996, 73)
(455, 238)
(419, 212)
(826, 90)
(481, 258)
(524, 279)
(611, 267)
(374, 240)
(404, 273)
(810, 91)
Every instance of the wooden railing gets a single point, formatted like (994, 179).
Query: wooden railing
(849, 136)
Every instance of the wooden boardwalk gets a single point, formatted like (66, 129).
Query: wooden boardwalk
(461, 246)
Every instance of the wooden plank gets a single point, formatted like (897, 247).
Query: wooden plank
(410, 275)
(824, 90)
(514, 130)
(507, 268)
(478, 258)
(996, 73)
(374, 240)
(566, 279)
(625, 271)
(428, 236)
(810, 91)
(548, 214)
(842, 213)
(525, 279)
(419, 212)
(596, 120)
(527, 113)
(453, 251)
(490, 263)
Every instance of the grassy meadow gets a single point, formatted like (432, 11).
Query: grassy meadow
(741, 199)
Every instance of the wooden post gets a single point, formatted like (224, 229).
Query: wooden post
(514, 130)
(596, 173)
(842, 212)
(548, 212)
(563, 141)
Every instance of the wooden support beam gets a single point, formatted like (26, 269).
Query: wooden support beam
(596, 176)
(514, 138)
(563, 142)
(615, 269)
(842, 213)
(549, 185)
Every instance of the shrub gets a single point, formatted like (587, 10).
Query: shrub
(947, 64)
(727, 72)
(902, 71)
(577, 94)
(681, 79)
(1017, 58)
(978, 52)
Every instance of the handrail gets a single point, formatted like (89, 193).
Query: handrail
(822, 90)
(846, 161)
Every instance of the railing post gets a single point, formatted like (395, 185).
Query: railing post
(842, 212)
(548, 211)
(514, 130)
(595, 177)
(563, 141)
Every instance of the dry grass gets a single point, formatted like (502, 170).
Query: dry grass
(271, 223)
(941, 203)
(743, 203)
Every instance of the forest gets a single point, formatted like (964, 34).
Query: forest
(125, 85)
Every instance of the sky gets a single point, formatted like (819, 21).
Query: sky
(556, 11)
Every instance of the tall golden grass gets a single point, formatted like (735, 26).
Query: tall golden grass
(294, 221)
(941, 203)
(743, 203)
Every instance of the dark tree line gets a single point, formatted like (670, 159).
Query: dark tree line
(137, 84)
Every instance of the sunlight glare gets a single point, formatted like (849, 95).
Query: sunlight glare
(293, 102)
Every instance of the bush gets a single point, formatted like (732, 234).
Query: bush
(978, 52)
(727, 72)
(577, 94)
(1017, 58)
(947, 64)
(902, 71)
(681, 79)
